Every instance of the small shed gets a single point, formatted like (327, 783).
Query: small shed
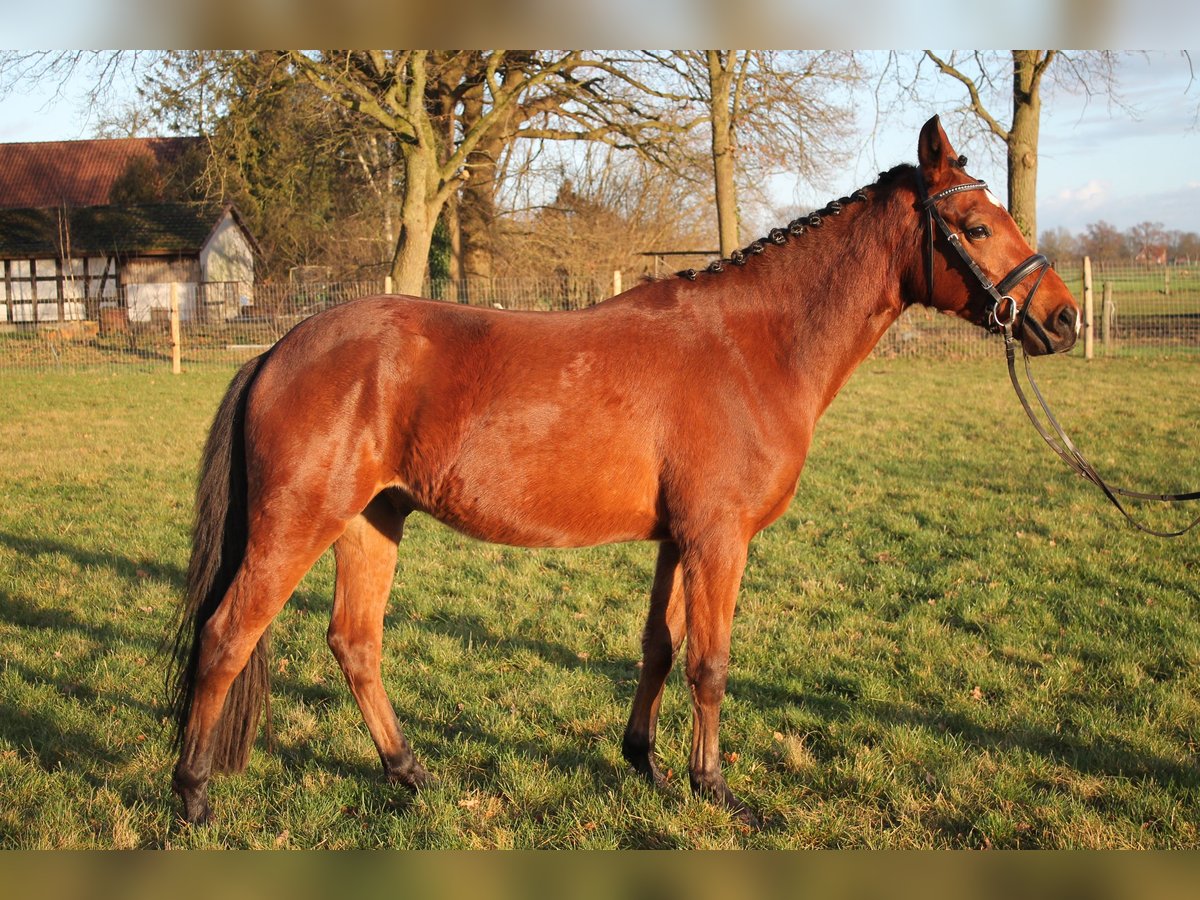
(62, 264)
(87, 226)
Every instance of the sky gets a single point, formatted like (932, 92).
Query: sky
(1126, 164)
(1096, 159)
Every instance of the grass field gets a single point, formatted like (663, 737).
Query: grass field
(948, 641)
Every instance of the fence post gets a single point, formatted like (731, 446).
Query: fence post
(1106, 319)
(176, 361)
(1087, 308)
(387, 284)
(616, 282)
(1167, 278)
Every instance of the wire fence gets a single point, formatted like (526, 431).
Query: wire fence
(1138, 311)
(1142, 309)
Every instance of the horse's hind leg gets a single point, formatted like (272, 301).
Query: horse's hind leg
(366, 563)
(660, 643)
(275, 561)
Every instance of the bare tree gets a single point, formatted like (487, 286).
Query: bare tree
(1102, 240)
(101, 68)
(431, 131)
(453, 111)
(768, 111)
(1059, 244)
(1145, 237)
(416, 98)
(609, 209)
(602, 100)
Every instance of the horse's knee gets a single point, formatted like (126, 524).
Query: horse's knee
(222, 655)
(352, 652)
(340, 644)
(707, 679)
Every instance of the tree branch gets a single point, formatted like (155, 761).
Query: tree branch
(973, 90)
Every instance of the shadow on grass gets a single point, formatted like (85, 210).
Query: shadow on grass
(45, 728)
(470, 631)
(838, 698)
(1110, 756)
(127, 569)
(53, 743)
(25, 614)
(473, 631)
(57, 744)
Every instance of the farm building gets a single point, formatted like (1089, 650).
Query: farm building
(84, 236)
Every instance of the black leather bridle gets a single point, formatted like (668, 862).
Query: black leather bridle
(998, 318)
(1005, 317)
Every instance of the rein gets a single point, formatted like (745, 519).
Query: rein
(1003, 314)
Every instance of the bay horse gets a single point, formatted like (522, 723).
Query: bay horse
(686, 407)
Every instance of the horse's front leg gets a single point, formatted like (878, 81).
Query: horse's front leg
(660, 642)
(712, 573)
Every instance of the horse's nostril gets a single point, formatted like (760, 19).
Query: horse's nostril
(1067, 319)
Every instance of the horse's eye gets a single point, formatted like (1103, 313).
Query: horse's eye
(979, 232)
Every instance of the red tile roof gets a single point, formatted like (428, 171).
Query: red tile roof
(75, 173)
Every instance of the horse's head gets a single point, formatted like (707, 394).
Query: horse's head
(978, 264)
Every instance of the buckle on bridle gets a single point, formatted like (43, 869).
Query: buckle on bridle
(999, 321)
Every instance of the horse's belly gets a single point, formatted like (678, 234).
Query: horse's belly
(572, 488)
(559, 506)
(525, 527)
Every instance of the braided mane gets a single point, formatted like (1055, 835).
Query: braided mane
(798, 226)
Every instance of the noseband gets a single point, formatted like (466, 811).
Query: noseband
(1003, 315)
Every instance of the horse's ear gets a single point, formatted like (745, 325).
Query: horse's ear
(935, 154)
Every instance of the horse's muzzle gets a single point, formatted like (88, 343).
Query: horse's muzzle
(1055, 335)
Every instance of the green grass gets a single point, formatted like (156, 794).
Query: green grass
(948, 641)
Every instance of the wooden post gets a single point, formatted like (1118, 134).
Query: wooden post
(387, 284)
(176, 361)
(1106, 318)
(616, 282)
(1167, 279)
(1088, 335)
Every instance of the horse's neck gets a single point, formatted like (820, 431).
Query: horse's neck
(838, 290)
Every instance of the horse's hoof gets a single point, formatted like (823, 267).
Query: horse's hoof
(641, 760)
(649, 772)
(411, 775)
(194, 794)
(745, 815)
(196, 811)
(715, 790)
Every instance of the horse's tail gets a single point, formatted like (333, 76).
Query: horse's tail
(219, 537)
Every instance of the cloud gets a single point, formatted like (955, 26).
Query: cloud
(1076, 208)
(1090, 195)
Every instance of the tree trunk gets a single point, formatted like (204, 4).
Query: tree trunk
(477, 211)
(411, 258)
(477, 204)
(1023, 144)
(720, 79)
(455, 228)
(417, 221)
